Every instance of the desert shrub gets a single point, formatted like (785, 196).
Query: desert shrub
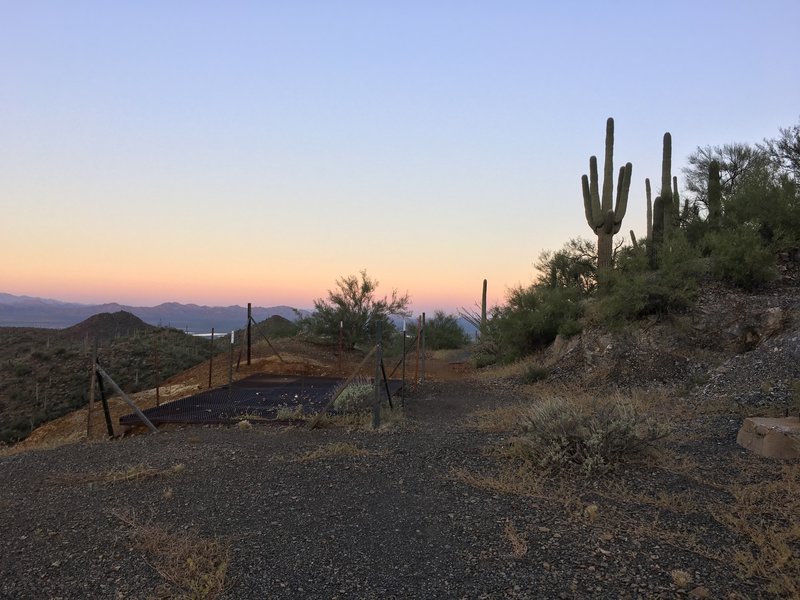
(533, 317)
(632, 290)
(559, 434)
(485, 353)
(356, 397)
(534, 373)
(289, 413)
(22, 370)
(739, 257)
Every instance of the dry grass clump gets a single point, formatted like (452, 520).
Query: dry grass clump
(496, 420)
(558, 433)
(681, 578)
(333, 450)
(766, 514)
(195, 565)
(288, 413)
(519, 545)
(118, 475)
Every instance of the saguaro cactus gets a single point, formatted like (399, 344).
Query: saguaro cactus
(483, 309)
(670, 207)
(604, 218)
(649, 210)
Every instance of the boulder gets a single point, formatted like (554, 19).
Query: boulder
(771, 437)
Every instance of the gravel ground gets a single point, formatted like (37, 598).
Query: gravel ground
(394, 523)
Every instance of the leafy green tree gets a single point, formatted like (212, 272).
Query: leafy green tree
(353, 303)
(735, 160)
(574, 266)
(785, 151)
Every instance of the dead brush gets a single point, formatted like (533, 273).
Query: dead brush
(195, 565)
(766, 515)
(495, 420)
(519, 546)
(334, 450)
(522, 480)
(131, 473)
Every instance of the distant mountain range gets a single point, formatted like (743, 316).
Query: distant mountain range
(27, 311)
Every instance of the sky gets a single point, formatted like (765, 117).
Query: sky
(233, 152)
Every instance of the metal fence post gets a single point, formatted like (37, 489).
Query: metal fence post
(249, 338)
(211, 359)
(422, 333)
(376, 404)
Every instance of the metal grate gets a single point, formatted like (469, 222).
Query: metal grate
(257, 396)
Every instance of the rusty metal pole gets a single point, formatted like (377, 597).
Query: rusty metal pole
(92, 386)
(422, 333)
(341, 344)
(249, 321)
(158, 370)
(230, 361)
(403, 387)
(416, 364)
(376, 403)
(211, 359)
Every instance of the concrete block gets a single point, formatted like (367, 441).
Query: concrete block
(771, 437)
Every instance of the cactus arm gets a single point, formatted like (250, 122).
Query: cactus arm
(666, 169)
(623, 188)
(649, 210)
(597, 213)
(608, 167)
(658, 220)
(587, 201)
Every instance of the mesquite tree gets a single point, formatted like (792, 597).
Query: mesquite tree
(604, 218)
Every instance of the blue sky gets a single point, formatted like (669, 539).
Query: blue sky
(230, 152)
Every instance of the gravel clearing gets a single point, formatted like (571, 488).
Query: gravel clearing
(393, 523)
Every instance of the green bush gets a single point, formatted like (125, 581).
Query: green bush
(533, 317)
(632, 290)
(739, 257)
(559, 434)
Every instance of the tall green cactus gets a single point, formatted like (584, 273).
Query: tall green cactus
(671, 208)
(604, 218)
(483, 309)
(714, 193)
(649, 210)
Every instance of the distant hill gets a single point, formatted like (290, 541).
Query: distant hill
(106, 326)
(27, 311)
(44, 373)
